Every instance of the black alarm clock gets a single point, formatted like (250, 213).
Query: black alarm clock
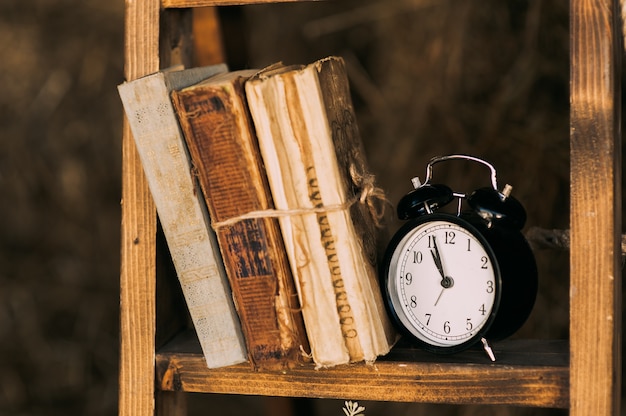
(454, 280)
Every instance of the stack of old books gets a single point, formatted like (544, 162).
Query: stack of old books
(262, 189)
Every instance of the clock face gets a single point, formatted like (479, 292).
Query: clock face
(443, 282)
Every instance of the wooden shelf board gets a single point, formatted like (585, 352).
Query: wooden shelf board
(204, 3)
(527, 373)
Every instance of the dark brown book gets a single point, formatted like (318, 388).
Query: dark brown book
(217, 127)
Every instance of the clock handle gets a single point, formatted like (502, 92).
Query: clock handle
(437, 159)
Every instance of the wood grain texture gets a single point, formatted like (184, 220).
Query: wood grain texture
(137, 282)
(595, 281)
(596, 192)
(527, 373)
(202, 3)
(137, 300)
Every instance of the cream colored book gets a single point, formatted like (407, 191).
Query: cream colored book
(316, 168)
(182, 211)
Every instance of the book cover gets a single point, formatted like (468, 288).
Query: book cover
(318, 176)
(216, 124)
(182, 211)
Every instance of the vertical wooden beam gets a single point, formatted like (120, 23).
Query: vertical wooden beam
(137, 274)
(595, 269)
(176, 38)
(207, 37)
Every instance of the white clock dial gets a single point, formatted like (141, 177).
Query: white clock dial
(443, 283)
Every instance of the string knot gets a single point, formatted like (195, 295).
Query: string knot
(370, 195)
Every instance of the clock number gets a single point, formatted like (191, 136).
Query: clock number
(413, 302)
(417, 257)
(482, 309)
(469, 247)
(489, 286)
(446, 327)
(485, 260)
(431, 241)
(428, 315)
(450, 237)
(468, 324)
(409, 278)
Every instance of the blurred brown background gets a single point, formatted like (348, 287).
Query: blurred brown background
(484, 77)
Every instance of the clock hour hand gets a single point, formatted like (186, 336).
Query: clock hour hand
(446, 281)
(437, 258)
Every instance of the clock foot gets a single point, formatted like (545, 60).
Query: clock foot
(488, 349)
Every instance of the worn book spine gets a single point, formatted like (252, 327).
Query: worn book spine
(313, 155)
(365, 202)
(182, 211)
(222, 142)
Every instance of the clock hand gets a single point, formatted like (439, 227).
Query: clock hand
(446, 281)
(437, 258)
(439, 297)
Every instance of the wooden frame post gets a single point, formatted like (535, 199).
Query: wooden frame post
(138, 242)
(595, 150)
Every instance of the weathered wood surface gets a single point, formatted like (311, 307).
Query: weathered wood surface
(203, 3)
(527, 373)
(594, 376)
(554, 239)
(138, 264)
(595, 279)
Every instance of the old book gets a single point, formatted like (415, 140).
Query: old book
(318, 176)
(182, 211)
(216, 124)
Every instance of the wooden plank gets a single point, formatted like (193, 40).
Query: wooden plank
(527, 373)
(207, 37)
(175, 43)
(595, 281)
(137, 282)
(202, 3)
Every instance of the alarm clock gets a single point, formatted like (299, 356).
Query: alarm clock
(453, 280)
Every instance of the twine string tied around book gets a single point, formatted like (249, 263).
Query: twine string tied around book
(370, 196)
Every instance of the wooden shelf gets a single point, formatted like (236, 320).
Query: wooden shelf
(178, 4)
(583, 374)
(526, 373)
